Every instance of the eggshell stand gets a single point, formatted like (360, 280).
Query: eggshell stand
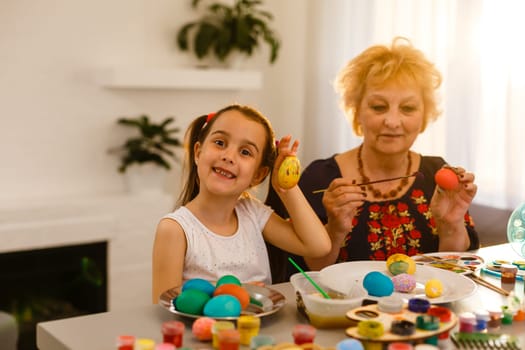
(386, 319)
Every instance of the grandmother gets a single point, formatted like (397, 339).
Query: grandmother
(389, 94)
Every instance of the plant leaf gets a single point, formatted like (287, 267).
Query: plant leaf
(152, 145)
(182, 36)
(204, 39)
(224, 28)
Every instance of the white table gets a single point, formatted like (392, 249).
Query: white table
(99, 331)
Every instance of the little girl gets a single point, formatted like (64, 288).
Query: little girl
(218, 228)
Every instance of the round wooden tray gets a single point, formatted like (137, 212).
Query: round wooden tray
(371, 312)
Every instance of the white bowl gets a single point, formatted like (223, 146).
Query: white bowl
(321, 312)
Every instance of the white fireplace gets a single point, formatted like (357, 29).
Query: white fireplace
(127, 223)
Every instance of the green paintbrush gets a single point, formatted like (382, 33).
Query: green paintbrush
(325, 295)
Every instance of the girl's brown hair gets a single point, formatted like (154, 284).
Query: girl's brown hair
(380, 64)
(199, 130)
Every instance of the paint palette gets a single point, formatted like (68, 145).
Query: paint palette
(372, 312)
(495, 265)
(459, 262)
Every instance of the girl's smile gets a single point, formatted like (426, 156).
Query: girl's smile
(224, 173)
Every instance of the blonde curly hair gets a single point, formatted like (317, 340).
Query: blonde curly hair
(379, 65)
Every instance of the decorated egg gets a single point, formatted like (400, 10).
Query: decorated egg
(199, 284)
(289, 172)
(191, 301)
(201, 328)
(447, 179)
(378, 284)
(433, 288)
(400, 263)
(237, 291)
(222, 306)
(404, 283)
(228, 279)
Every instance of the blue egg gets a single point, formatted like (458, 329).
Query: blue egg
(349, 344)
(223, 305)
(199, 284)
(378, 284)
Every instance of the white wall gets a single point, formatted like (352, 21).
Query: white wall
(57, 122)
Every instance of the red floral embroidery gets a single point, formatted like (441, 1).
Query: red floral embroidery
(412, 252)
(402, 207)
(417, 193)
(373, 237)
(422, 208)
(391, 227)
(415, 234)
(379, 255)
(390, 221)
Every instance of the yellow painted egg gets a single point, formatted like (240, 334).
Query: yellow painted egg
(400, 263)
(289, 172)
(433, 288)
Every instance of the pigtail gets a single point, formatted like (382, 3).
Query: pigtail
(191, 184)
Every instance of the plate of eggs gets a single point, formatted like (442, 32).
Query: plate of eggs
(399, 276)
(226, 299)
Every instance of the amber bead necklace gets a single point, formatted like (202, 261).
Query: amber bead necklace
(375, 192)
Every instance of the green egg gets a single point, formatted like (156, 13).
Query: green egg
(228, 279)
(191, 301)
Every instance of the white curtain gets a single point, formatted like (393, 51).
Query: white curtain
(477, 46)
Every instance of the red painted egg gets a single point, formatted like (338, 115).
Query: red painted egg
(446, 179)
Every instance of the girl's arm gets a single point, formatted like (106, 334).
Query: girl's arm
(304, 234)
(169, 250)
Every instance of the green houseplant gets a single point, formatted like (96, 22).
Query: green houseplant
(224, 29)
(153, 143)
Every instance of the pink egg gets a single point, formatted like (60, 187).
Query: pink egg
(201, 328)
(404, 283)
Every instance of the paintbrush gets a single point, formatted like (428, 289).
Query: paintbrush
(445, 262)
(319, 289)
(417, 174)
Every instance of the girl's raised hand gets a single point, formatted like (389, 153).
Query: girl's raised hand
(285, 148)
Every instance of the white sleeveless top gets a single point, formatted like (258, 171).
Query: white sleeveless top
(244, 254)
